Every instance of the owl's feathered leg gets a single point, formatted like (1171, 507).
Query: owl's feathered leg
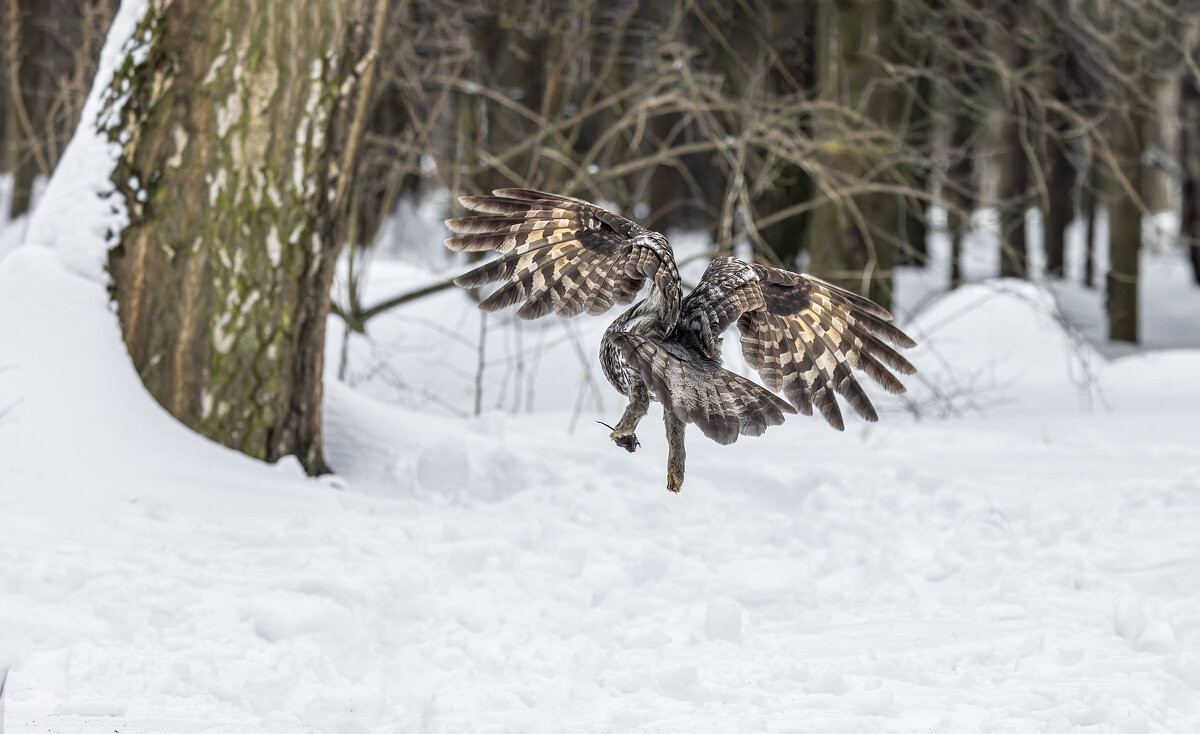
(675, 458)
(639, 403)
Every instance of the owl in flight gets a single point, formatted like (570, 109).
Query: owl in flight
(801, 334)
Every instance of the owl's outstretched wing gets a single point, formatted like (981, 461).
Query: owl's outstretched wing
(801, 334)
(560, 254)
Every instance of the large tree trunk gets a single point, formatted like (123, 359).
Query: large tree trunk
(852, 240)
(239, 129)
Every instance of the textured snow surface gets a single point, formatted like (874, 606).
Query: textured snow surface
(1034, 567)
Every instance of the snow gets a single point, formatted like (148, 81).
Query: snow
(1028, 565)
(1012, 548)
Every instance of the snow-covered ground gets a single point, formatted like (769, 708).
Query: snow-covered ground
(1029, 565)
(1015, 547)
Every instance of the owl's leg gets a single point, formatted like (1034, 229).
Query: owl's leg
(639, 403)
(675, 458)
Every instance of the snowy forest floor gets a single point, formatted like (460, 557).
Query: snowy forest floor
(1013, 549)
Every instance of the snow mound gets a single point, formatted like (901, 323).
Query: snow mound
(1013, 569)
(1003, 344)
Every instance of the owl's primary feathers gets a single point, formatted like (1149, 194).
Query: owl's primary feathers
(802, 335)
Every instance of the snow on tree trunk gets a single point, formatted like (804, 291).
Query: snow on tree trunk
(237, 148)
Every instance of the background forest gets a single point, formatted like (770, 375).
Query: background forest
(823, 136)
(222, 229)
(819, 130)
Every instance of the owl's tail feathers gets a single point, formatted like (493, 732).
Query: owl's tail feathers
(722, 404)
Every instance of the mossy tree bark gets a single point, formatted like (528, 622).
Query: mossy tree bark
(239, 125)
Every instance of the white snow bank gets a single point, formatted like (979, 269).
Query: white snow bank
(1007, 571)
(1001, 344)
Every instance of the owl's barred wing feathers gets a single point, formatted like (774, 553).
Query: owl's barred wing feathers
(560, 254)
(801, 334)
(804, 337)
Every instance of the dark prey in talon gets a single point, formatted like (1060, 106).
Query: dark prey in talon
(629, 442)
(802, 335)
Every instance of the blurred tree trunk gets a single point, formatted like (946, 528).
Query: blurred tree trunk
(240, 124)
(512, 63)
(794, 26)
(1013, 162)
(958, 191)
(26, 153)
(913, 246)
(1059, 174)
(1089, 234)
(50, 52)
(1124, 229)
(1189, 165)
(852, 239)
(958, 125)
(1058, 210)
(1124, 130)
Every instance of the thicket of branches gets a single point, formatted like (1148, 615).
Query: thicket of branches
(820, 133)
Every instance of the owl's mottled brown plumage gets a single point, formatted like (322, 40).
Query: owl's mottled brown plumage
(802, 335)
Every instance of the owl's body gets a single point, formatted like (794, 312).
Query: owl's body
(801, 334)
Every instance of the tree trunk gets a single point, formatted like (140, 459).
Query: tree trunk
(1089, 236)
(1013, 192)
(1124, 231)
(24, 152)
(1058, 209)
(853, 241)
(794, 25)
(956, 129)
(239, 127)
(1014, 134)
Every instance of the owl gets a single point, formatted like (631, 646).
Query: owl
(803, 336)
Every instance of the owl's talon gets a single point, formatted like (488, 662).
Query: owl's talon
(674, 483)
